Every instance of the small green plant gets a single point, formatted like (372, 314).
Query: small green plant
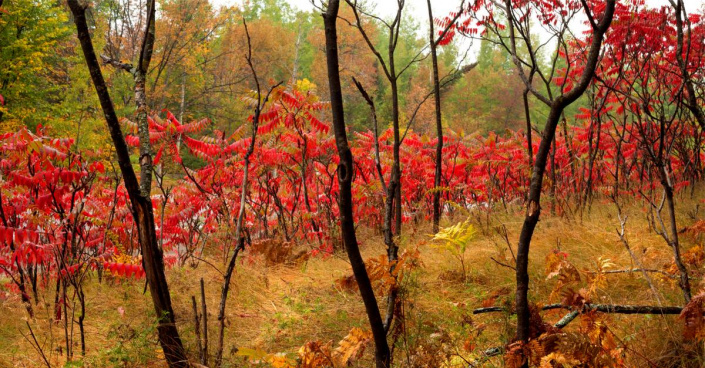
(455, 239)
(133, 346)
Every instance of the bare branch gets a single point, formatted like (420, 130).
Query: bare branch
(118, 64)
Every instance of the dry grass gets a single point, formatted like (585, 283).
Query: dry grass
(278, 309)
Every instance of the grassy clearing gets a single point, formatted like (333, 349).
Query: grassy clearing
(278, 309)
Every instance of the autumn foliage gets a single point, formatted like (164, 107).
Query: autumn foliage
(65, 214)
(294, 191)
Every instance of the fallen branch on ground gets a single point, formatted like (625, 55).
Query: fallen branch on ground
(635, 270)
(574, 313)
(604, 308)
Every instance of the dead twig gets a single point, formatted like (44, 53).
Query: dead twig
(35, 344)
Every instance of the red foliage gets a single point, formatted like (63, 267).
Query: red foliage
(61, 210)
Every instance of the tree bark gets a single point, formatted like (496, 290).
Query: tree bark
(534, 199)
(152, 258)
(240, 244)
(684, 280)
(142, 113)
(373, 110)
(394, 188)
(204, 356)
(197, 326)
(345, 174)
(439, 123)
(243, 202)
(527, 116)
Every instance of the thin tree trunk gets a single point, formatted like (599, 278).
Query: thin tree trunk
(345, 174)
(82, 316)
(527, 116)
(66, 322)
(396, 164)
(373, 110)
(295, 69)
(197, 327)
(142, 212)
(591, 163)
(243, 202)
(536, 184)
(231, 264)
(240, 246)
(684, 281)
(182, 103)
(393, 195)
(554, 200)
(439, 124)
(140, 78)
(307, 202)
(204, 357)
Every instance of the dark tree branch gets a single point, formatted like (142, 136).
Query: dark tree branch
(534, 196)
(604, 308)
(152, 258)
(345, 175)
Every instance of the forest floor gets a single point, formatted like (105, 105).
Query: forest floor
(277, 309)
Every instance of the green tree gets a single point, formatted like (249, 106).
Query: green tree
(30, 80)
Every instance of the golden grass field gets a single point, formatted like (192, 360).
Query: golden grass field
(278, 309)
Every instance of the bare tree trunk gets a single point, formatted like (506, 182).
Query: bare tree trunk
(396, 164)
(295, 69)
(69, 345)
(307, 202)
(592, 156)
(672, 239)
(197, 326)
(82, 317)
(554, 200)
(204, 357)
(142, 113)
(152, 260)
(534, 199)
(439, 123)
(345, 174)
(394, 187)
(373, 110)
(527, 116)
(243, 202)
(231, 263)
(143, 133)
(393, 197)
(182, 104)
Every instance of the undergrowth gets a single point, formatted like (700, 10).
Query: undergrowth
(310, 313)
